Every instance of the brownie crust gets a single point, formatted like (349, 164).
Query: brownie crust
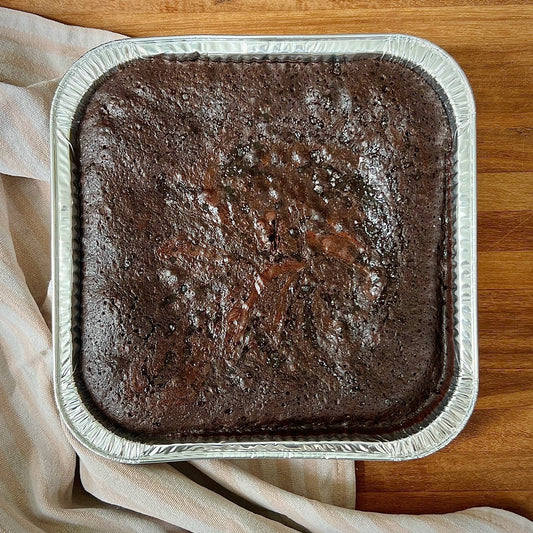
(264, 247)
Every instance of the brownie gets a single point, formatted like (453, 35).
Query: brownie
(265, 247)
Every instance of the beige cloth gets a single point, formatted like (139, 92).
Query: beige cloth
(50, 482)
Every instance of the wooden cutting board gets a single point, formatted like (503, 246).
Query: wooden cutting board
(491, 462)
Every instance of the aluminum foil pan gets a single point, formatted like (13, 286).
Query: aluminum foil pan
(420, 440)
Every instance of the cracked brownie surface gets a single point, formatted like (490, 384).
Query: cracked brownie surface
(264, 246)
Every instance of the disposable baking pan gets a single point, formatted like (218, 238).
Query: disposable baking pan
(419, 440)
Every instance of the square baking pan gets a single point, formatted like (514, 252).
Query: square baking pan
(423, 438)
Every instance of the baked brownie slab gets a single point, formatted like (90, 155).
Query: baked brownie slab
(264, 246)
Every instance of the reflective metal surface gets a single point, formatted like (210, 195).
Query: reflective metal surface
(422, 439)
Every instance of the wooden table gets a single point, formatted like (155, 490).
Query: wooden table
(491, 462)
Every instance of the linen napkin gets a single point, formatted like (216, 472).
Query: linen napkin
(48, 481)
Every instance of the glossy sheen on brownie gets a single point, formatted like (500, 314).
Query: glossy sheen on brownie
(263, 246)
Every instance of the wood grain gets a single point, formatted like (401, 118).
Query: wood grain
(506, 330)
(491, 462)
(444, 502)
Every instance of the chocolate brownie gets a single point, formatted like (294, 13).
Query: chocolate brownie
(264, 247)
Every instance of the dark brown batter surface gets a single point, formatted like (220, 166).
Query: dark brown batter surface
(263, 247)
